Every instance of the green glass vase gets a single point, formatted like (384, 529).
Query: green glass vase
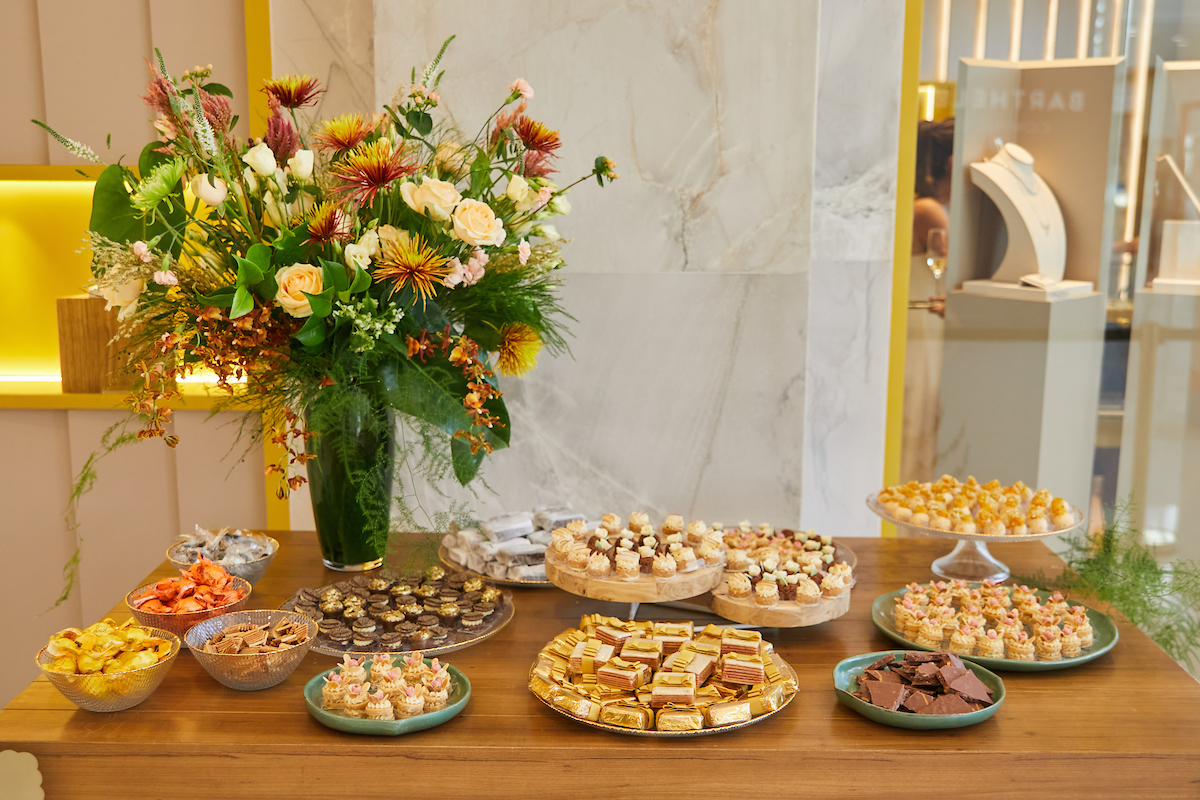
(350, 481)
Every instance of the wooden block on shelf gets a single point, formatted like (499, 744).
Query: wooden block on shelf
(89, 364)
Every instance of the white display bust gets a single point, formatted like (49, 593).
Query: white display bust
(1035, 260)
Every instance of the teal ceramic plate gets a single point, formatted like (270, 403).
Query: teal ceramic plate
(460, 693)
(1104, 637)
(845, 682)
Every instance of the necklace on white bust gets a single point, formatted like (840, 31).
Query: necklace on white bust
(1017, 161)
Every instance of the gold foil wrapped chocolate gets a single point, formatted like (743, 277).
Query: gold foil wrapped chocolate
(766, 697)
(729, 713)
(628, 715)
(675, 719)
(575, 704)
(489, 595)
(473, 585)
(542, 688)
(435, 573)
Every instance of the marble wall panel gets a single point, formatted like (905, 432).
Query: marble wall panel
(706, 108)
(332, 40)
(854, 206)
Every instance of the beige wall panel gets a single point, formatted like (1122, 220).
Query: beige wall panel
(131, 515)
(94, 73)
(221, 481)
(21, 96)
(35, 473)
(332, 40)
(217, 36)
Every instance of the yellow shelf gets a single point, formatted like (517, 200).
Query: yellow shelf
(49, 395)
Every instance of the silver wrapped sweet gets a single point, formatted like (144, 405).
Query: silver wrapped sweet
(225, 547)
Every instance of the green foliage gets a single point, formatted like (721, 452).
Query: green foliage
(513, 294)
(1117, 568)
(117, 436)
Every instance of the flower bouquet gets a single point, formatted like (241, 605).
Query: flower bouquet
(337, 275)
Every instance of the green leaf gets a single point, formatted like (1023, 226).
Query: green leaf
(267, 288)
(313, 331)
(334, 275)
(422, 123)
(149, 159)
(361, 282)
(243, 303)
(113, 214)
(221, 298)
(259, 254)
(466, 465)
(289, 246)
(248, 272)
(322, 304)
(217, 88)
(481, 172)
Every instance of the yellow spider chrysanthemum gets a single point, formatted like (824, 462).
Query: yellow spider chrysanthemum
(342, 133)
(519, 348)
(328, 223)
(410, 262)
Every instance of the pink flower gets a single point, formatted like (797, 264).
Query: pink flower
(523, 252)
(165, 277)
(521, 87)
(456, 273)
(472, 273)
(543, 196)
(143, 252)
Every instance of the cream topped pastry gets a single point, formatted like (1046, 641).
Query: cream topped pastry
(352, 670)
(437, 692)
(333, 693)
(381, 665)
(379, 706)
(409, 702)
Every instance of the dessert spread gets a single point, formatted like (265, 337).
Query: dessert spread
(247, 639)
(626, 550)
(511, 546)
(990, 509)
(105, 647)
(416, 611)
(660, 676)
(386, 688)
(992, 620)
(923, 683)
(225, 547)
(772, 568)
(202, 587)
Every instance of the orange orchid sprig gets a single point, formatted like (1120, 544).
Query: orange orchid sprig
(289, 434)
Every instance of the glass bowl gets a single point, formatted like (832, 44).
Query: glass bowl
(249, 673)
(115, 692)
(251, 571)
(178, 624)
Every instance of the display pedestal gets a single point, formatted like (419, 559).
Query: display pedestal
(1176, 286)
(1019, 391)
(1063, 290)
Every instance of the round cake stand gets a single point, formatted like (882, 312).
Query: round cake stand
(970, 559)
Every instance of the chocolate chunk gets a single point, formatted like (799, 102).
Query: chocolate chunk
(926, 675)
(883, 662)
(921, 658)
(949, 674)
(947, 704)
(887, 695)
(955, 661)
(916, 701)
(972, 688)
(883, 675)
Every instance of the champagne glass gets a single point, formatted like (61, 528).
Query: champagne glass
(937, 244)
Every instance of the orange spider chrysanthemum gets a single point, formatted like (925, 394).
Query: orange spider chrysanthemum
(370, 169)
(537, 136)
(519, 348)
(328, 223)
(342, 133)
(293, 91)
(411, 263)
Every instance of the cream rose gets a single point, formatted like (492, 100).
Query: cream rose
(476, 224)
(261, 159)
(431, 198)
(293, 282)
(301, 164)
(369, 241)
(521, 193)
(390, 235)
(210, 190)
(124, 296)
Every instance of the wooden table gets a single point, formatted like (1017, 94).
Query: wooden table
(1127, 724)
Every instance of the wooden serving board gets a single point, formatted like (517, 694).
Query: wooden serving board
(646, 589)
(784, 614)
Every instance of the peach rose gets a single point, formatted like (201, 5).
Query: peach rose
(431, 198)
(476, 224)
(293, 282)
